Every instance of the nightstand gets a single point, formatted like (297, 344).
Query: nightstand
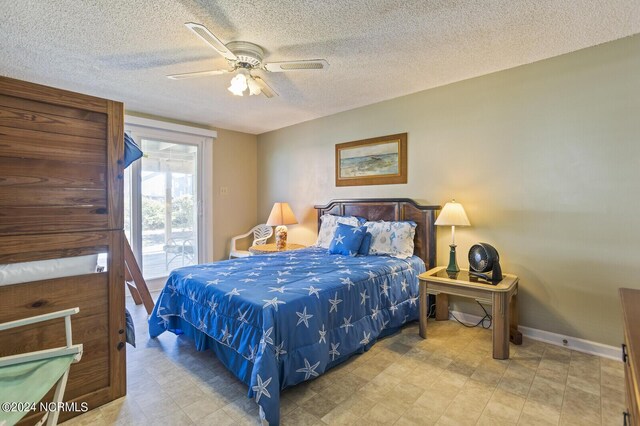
(502, 296)
(271, 248)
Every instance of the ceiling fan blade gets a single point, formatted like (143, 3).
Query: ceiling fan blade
(266, 89)
(196, 74)
(312, 64)
(206, 35)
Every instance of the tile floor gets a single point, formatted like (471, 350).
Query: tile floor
(448, 379)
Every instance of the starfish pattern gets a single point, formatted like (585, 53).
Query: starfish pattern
(323, 334)
(345, 271)
(347, 324)
(315, 279)
(192, 296)
(173, 289)
(366, 339)
(334, 351)
(188, 276)
(312, 290)
(412, 301)
(253, 274)
(334, 303)
(281, 280)
(213, 304)
(338, 239)
(347, 281)
(214, 282)
(234, 292)
(261, 387)
(224, 274)
(226, 336)
(308, 369)
(247, 280)
(253, 351)
(404, 285)
(278, 289)
(303, 317)
(266, 338)
(384, 288)
(273, 302)
(242, 317)
(356, 230)
(202, 326)
(364, 296)
(374, 312)
(281, 273)
(280, 350)
(183, 311)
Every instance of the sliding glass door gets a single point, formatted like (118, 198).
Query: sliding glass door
(164, 217)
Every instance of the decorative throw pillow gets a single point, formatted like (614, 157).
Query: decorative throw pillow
(392, 238)
(328, 227)
(366, 245)
(347, 239)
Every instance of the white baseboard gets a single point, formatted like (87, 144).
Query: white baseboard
(569, 342)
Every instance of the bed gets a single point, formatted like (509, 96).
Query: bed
(282, 319)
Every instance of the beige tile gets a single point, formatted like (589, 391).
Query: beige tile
(504, 405)
(448, 379)
(300, 417)
(217, 418)
(535, 413)
(418, 416)
(485, 420)
(546, 392)
(580, 407)
(201, 408)
(380, 415)
(318, 405)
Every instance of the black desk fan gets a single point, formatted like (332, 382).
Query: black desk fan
(483, 258)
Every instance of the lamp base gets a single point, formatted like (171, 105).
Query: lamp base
(453, 263)
(281, 237)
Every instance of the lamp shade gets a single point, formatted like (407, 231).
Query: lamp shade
(281, 214)
(452, 214)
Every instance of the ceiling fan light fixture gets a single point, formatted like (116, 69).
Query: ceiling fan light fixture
(254, 87)
(238, 85)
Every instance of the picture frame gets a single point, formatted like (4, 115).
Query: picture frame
(375, 161)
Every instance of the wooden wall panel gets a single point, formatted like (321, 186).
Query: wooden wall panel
(61, 195)
(24, 143)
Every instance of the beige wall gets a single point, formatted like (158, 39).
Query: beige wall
(235, 166)
(545, 159)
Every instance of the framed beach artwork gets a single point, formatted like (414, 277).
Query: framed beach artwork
(377, 161)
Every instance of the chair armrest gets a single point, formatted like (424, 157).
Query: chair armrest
(38, 318)
(237, 237)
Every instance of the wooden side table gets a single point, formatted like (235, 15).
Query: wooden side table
(502, 296)
(271, 248)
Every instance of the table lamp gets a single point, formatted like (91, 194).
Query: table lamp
(281, 215)
(452, 215)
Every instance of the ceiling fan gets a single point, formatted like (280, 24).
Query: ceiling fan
(243, 58)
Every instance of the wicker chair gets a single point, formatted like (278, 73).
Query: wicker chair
(261, 233)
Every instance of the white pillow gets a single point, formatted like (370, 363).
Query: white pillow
(391, 238)
(329, 225)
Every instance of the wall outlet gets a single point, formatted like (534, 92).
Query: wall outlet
(224, 190)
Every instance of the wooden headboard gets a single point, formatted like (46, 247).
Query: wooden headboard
(392, 209)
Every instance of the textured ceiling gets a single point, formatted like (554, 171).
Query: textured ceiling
(377, 49)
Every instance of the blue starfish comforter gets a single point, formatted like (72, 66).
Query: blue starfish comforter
(278, 320)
